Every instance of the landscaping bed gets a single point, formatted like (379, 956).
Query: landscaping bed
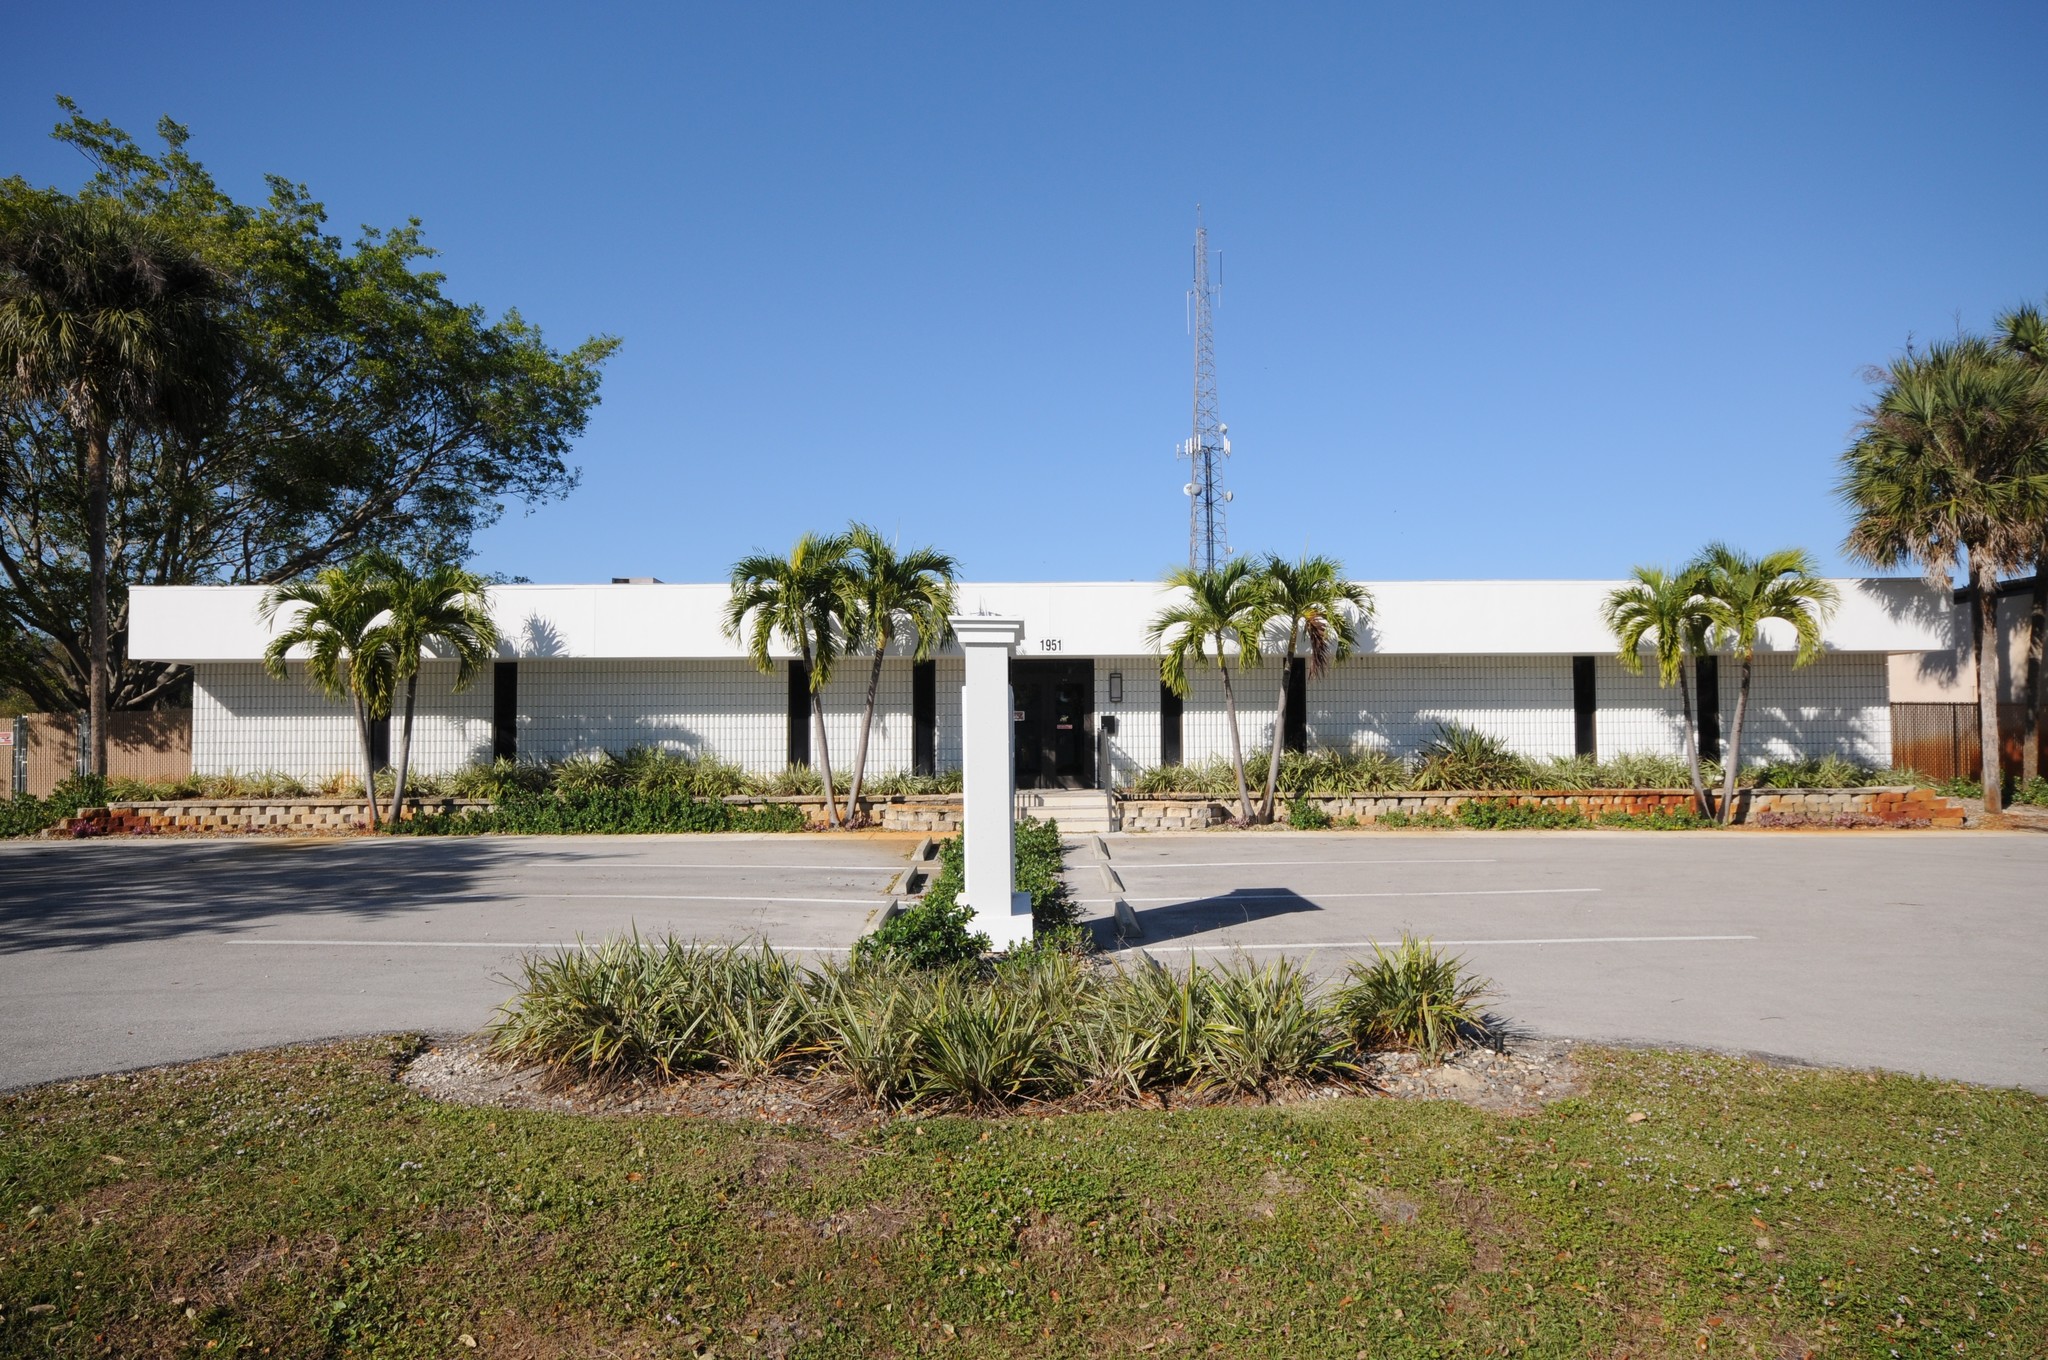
(305, 1202)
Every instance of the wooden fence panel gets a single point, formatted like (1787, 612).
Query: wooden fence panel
(1941, 741)
(156, 744)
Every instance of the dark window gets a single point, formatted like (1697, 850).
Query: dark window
(1295, 737)
(1169, 726)
(380, 742)
(1585, 741)
(924, 718)
(1710, 707)
(505, 710)
(799, 713)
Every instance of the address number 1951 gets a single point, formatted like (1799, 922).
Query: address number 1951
(1048, 644)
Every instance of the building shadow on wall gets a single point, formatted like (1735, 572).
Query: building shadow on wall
(1201, 915)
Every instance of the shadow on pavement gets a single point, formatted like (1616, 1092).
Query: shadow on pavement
(1199, 915)
(71, 896)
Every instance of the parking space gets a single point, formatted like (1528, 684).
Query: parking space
(1919, 951)
(120, 954)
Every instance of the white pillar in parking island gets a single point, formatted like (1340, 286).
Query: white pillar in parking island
(989, 780)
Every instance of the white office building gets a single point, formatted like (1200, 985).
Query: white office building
(608, 667)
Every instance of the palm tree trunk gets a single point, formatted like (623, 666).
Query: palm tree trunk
(1705, 805)
(97, 678)
(1734, 751)
(1984, 593)
(824, 759)
(369, 760)
(1279, 726)
(1244, 797)
(412, 685)
(2030, 702)
(867, 722)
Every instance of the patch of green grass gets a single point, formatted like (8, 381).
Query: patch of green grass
(1683, 819)
(1485, 814)
(1427, 818)
(302, 1202)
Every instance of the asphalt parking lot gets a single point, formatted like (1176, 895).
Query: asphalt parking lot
(1918, 951)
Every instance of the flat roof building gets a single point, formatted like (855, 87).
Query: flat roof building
(607, 667)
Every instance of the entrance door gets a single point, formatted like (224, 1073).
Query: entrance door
(1055, 744)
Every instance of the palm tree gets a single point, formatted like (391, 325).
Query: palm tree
(1317, 613)
(121, 330)
(888, 593)
(2023, 334)
(1740, 594)
(800, 599)
(1665, 609)
(443, 608)
(1946, 468)
(336, 620)
(1225, 606)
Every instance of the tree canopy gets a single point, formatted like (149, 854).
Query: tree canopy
(370, 411)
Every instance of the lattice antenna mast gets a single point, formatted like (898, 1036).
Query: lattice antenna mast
(1208, 535)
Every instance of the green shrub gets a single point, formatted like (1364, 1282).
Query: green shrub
(1039, 858)
(1827, 772)
(498, 780)
(936, 932)
(1428, 818)
(1460, 757)
(1960, 788)
(982, 1045)
(606, 811)
(619, 1007)
(1486, 814)
(1261, 1026)
(899, 782)
(1336, 772)
(1415, 997)
(2033, 792)
(1215, 778)
(1305, 815)
(1684, 819)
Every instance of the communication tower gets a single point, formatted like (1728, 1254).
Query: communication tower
(1208, 536)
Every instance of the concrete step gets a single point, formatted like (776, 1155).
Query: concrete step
(1078, 811)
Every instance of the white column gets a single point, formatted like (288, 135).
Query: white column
(988, 774)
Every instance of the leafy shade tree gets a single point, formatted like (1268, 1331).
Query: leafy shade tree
(443, 609)
(2023, 334)
(1664, 611)
(802, 600)
(334, 617)
(1315, 614)
(1945, 470)
(1739, 595)
(110, 331)
(370, 411)
(889, 595)
(1224, 608)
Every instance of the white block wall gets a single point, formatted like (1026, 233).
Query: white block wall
(1840, 705)
(245, 722)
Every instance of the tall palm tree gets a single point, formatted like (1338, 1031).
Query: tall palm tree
(887, 594)
(1741, 594)
(2023, 334)
(444, 609)
(335, 617)
(1315, 614)
(122, 331)
(1665, 610)
(800, 599)
(1225, 607)
(1945, 470)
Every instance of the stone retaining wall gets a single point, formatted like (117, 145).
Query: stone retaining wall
(1893, 806)
(940, 812)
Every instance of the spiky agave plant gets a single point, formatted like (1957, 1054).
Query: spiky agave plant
(1415, 996)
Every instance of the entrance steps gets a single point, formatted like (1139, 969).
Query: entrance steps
(1079, 812)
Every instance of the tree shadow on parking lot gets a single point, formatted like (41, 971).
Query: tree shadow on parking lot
(1200, 915)
(71, 896)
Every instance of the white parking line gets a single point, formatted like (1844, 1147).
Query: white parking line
(494, 944)
(1283, 863)
(1374, 944)
(1286, 896)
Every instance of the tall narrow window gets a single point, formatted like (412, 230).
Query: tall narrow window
(1169, 727)
(380, 742)
(1585, 738)
(505, 710)
(1295, 737)
(799, 713)
(924, 718)
(1710, 707)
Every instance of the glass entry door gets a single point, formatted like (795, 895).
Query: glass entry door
(1053, 722)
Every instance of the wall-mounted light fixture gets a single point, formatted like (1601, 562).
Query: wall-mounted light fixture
(1116, 687)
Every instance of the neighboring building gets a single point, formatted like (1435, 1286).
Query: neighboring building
(608, 667)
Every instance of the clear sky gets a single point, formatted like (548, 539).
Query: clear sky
(1510, 291)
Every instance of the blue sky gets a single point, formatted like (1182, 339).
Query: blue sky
(1510, 291)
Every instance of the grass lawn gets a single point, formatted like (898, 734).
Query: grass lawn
(300, 1203)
